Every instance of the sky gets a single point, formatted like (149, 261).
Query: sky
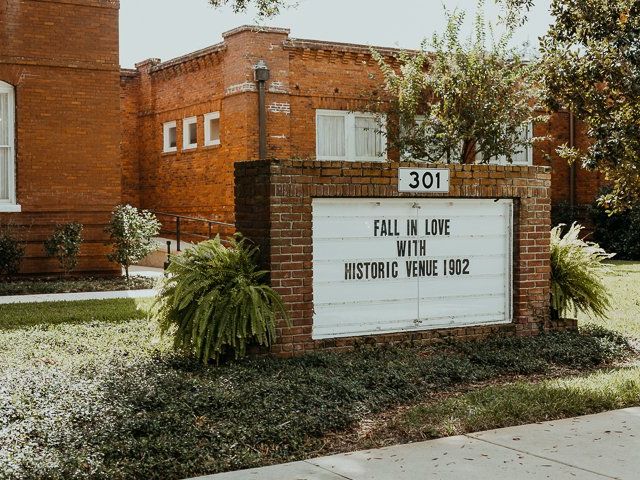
(166, 29)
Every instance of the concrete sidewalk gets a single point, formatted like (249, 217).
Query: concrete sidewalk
(602, 446)
(76, 297)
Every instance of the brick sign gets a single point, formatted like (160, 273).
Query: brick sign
(398, 265)
(357, 262)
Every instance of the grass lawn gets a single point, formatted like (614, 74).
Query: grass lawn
(624, 284)
(89, 391)
(524, 401)
(72, 285)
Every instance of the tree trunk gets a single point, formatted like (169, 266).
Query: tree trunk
(468, 152)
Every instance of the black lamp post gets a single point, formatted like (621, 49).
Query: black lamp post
(261, 75)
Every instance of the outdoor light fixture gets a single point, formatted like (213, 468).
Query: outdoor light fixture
(261, 75)
(261, 71)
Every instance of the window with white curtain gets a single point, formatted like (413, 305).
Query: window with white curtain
(342, 135)
(7, 149)
(523, 157)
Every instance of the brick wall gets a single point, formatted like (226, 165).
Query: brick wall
(305, 75)
(556, 133)
(273, 207)
(62, 58)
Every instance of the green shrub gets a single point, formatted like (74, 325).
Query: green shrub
(215, 301)
(577, 269)
(618, 233)
(64, 244)
(114, 404)
(131, 233)
(11, 252)
(564, 214)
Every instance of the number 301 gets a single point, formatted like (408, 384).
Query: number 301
(428, 180)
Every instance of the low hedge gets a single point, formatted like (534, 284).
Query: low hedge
(163, 416)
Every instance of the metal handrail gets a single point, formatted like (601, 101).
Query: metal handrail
(198, 219)
(178, 231)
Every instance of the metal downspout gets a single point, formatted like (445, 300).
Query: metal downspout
(572, 172)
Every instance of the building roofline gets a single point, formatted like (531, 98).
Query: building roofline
(257, 29)
(218, 47)
(304, 43)
(128, 72)
(289, 43)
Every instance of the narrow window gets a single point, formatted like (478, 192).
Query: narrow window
(331, 136)
(525, 156)
(368, 137)
(190, 133)
(212, 129)
(170, 137)
(7, 149)
(342, 135)
(522, 157)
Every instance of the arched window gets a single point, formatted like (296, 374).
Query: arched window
(7, 149)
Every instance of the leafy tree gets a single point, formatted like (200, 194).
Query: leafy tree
(458, 98)
(591, 64)
(265, 8)
(64, 244)
(131, 233)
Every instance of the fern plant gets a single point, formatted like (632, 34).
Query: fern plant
(215, 301)
(577, 270)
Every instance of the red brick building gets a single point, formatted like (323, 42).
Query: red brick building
(59, 123)
(188, 120)
(78, 135)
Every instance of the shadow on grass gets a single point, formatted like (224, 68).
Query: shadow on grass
(30, 315)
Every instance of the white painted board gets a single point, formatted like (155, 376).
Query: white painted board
(399, 265)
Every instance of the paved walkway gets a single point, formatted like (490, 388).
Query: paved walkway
(75, 297)
(603, 446)
(151, 272)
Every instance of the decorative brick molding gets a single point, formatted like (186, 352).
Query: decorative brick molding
(279, 108)
(273, 207)
(241, 88)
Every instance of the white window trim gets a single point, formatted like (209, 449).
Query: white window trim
(208, 142)
(350, 141)
(186, 123)
(502, 160)
(165, 135)
(529, 147)
(417, 120)
(10, 205)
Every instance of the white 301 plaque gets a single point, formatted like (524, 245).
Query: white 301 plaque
(435, 180)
